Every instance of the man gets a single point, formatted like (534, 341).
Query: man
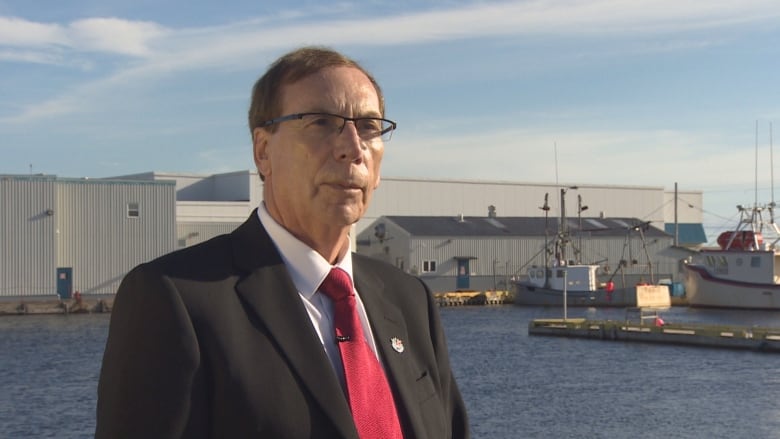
(238, 337)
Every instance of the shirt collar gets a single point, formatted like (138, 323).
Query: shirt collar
(307, 267)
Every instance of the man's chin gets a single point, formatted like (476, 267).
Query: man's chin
(345, 214)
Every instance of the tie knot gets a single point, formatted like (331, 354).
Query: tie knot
(337, 285)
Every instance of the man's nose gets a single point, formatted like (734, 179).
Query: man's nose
(348, 142)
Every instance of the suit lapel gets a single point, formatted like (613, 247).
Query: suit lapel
(269, 292)
(388, 324)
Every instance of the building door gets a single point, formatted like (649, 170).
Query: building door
(462, 280)
(64, 282)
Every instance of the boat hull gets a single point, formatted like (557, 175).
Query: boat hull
(705, 291)
(540, 296)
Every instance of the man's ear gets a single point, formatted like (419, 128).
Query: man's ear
(259, 153)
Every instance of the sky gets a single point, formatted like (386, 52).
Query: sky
(615, 92)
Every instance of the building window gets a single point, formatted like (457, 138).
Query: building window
(429, 266)
(132, 210)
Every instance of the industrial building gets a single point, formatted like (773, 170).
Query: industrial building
(489, 252)
(69, 234)
(61, 235)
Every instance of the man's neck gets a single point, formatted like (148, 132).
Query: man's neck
(332, 243)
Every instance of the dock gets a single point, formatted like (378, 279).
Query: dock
(470, 297)
(693, 334)
(45, 305)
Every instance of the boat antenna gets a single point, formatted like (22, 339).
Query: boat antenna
(557, 183)
(555, 150)
(771, 177)
(755, 173)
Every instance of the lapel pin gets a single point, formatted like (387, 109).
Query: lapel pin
(397, 344)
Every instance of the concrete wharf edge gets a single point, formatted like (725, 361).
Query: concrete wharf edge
(39, 306)
(693, 334)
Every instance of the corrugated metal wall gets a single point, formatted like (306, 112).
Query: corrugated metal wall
(98, 237)
(495, 260)
(47, 223)
(393, 246)
(506, 253)
(193, 233)
(397, 196)
(27, 236)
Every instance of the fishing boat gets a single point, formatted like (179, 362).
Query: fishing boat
(559, 282)
(579, 285)
(743, 272)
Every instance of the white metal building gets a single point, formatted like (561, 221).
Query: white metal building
(484, 253)
(91, 230)
(402, 196)
(60, 235)
(206, 198)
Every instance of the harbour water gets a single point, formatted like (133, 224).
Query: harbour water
(515, 386)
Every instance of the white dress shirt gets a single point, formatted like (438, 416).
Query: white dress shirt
(308, 269)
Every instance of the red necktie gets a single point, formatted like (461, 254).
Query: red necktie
(370, 398)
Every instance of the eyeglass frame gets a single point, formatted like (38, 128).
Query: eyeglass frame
(346, 119)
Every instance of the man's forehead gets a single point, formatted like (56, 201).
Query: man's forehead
(341, 85)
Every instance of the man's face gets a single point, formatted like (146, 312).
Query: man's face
(320, 185)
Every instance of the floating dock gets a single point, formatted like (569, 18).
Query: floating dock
(470, 297)
(693, 334)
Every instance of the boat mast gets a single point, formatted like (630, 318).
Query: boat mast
(580, 209)
(546, 209)
(564, 229)
(641, 228)
(755, 173)
(771, 178)
(676, 224)
(772, 204)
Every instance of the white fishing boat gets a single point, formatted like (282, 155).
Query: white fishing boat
(579, 285)
(743, 272)
(559, 282)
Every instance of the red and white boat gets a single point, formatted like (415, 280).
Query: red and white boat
(743, 272)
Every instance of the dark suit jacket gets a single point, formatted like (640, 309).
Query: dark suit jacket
(213, 341)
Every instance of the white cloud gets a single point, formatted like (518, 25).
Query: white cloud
(485, 19)
(17, 32)
(53, 107)
(29, 56)
(164, 51)
(559, 17)
(652, 157)
(106, 35)
(114, 35)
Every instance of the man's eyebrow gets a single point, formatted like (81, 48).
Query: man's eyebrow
(370, 113)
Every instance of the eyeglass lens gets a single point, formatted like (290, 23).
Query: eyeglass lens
(325, 125)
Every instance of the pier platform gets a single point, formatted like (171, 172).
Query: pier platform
(693, 334)
(470, 297)
(48, 305)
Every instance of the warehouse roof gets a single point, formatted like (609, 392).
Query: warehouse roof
(518, 226)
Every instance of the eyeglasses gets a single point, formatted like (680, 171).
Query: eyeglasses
(323, 125)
